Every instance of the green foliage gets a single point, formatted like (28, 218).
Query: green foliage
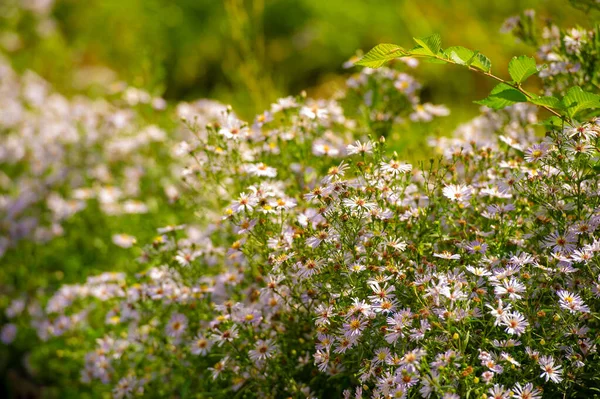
(381, 54)
(502, 96)
(464, 56)
(200, 48)
(430, 44)
(522, 67)
(577, 100)
(430, 49)
(547, 101)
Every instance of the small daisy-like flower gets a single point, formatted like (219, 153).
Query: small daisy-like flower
(263, 350)
(514, 322)
(263, 118)
(476, 247)
(177, 325)
(246, 225)
(574, 40)
(395, 168)
(233, 128)
(358, 267)
(536, 152)
(550, 371)
(335, 173)
(360, 148)
(314, 112)
(8, 333)
(225, 336)
(426, 112)
(513, 288)
(309, 268)
(507, 357)
(479, 271)
(245, 203)
(321, 360)
(457, 193)
(381, 292)
(586, 132)
(382, 355)
(345, 343)
(317, 239)
(123, 240)
(324, 314)
(125, 387)
(396, 244)
(200, 345)
(582, 256)
(283, 104)
(563, 243)
(498, 392)
(526, 392)
(283, 204)
(354, 326)
(262, 170)
(218, 368)
(572, 302)
(358, 204)
(577, 148)
(186, 256)
(322, 148)
(446, 255)
(487, 377)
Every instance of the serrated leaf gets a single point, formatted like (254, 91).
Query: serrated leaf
(502, 96)
(577, 100)
(420, 51)
(482, 62)
(432, 43)
(552, 122)
(459, 54)
(381, 54)
(432, 60)
(522, 67)
(464, 56)
(547, 101)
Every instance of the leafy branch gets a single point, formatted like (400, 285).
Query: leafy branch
(502, 95)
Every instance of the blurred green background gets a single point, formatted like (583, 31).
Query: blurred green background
(248, 53)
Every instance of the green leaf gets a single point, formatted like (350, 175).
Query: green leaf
(432, 43)
(420, 51)
(551, 123)
(381, 54)
(502, 96)
(459, 54)
(464, 56)
(522, 67)
(577, 100)
(481, 62)
(547, 101)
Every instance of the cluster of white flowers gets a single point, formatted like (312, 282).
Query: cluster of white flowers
(314, 262)
(57, 154)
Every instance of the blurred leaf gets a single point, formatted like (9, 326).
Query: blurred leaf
(482, 62)
(502, 96)
(577, 100)
(522, 67)
(552, 122)
(381, 54)
(547, 101)
(459, 54)
(432, 43)
(464, 56)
